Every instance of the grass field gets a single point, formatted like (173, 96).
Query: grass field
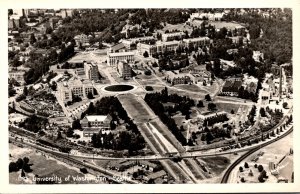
(217, 164)
(192, 88)
(135, 108)
(228, 25)
(180, 27)
(43, 166)
(227, 107)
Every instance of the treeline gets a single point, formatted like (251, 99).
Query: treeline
(183, 104)
(124, 140)
(215, 119)
(20, 164)
(157, 18)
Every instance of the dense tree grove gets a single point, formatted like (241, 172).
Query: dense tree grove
(276, 39)
(183, 104)
(34, 123)
(112, 106)
(22, 164)
(125, 140)
(215, 119)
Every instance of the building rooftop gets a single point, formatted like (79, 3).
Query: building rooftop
(120, 54)
(92, 118)
(195, 39)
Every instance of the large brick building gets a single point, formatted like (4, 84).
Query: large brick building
(92, 124)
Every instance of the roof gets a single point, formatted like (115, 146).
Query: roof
(196, 39)
(118, 47)
(92, 118)
(120, 54)
(174, 34)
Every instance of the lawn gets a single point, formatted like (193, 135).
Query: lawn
(180, 27)
(44, 166)
(188, 87)
(216, 164)
(227, 107)
(228, 25)
(135, 108)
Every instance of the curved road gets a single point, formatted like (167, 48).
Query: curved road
(239, 160)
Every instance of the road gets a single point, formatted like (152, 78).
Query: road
(239, 160)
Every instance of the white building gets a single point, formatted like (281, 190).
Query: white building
(114, 58)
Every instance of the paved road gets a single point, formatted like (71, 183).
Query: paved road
(239, 160)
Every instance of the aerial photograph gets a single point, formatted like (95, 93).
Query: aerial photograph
(150, 96)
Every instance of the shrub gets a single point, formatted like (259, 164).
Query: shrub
(260, 168)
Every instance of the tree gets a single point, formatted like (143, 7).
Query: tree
(147, 72)
(243, 180)
(284, 105)
(241, 169)
(49, 30)
(146, 55)
(232, 111)
(200, 104)
(246, 165)
(32, 39)
(90, 95)
(70, 132)
(25, 91)
(13, 167)
(207, 97)
(262, 112)
(76, 124)
(260, 168)
(211, 106)
(149, 88)
(20, 163)
(250, 173)
(261, 178)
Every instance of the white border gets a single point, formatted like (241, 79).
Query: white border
(207, 188)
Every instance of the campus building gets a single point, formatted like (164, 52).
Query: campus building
(114, 58)
(231, 87)
(195, 42)
(91, 71)
(159, 47)
(172, 36)
(130, 42)
(124, 69)
(182, 78)
(92, 124)
(81, 39)
(76, 88)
